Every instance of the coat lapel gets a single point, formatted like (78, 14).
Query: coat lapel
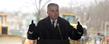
(49, 24)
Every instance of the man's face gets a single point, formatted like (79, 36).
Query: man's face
(53, 12)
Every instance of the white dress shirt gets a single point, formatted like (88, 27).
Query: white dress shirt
(55, 22)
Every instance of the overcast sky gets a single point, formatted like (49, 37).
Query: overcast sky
(29, 5)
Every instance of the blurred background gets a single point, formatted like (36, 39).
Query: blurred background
(16, 16)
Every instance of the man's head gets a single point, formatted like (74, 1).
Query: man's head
(53, 11)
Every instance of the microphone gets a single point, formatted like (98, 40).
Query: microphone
(59, 30)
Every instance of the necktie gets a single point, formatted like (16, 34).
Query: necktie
(53, 23)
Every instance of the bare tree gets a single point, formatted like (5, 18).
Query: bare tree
(39, 5)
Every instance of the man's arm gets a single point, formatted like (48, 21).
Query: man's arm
(31, 34)
(80, 29)
(75, 34)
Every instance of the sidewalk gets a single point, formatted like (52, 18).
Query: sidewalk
(9, 39)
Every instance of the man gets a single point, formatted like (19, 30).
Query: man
(54, 29)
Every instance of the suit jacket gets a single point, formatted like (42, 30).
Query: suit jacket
(45, 33)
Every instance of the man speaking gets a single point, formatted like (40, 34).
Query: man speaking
(53, 29)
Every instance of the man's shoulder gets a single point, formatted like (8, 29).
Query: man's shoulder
(43, 20)
(63, 20)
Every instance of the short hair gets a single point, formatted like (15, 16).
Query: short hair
(52, 4)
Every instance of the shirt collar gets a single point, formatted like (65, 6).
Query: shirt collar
(55, 21)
